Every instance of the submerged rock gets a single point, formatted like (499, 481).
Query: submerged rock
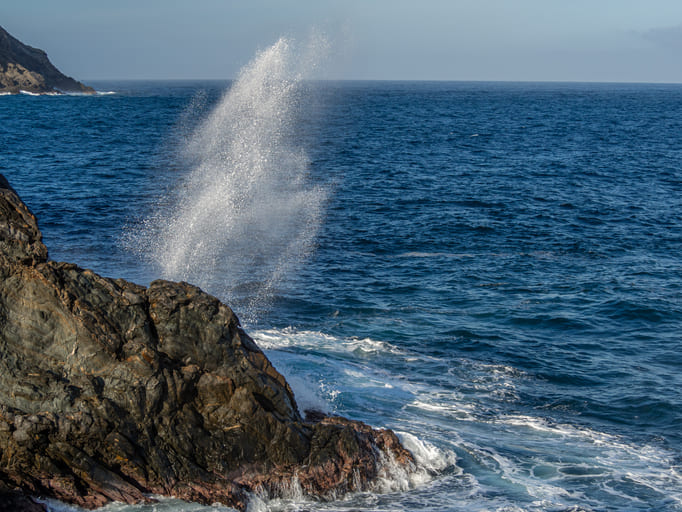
(110, 391)
(24, 68)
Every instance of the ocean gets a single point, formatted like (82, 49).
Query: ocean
(493, 270)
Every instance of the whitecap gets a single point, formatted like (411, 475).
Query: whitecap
(590, 455)
(463, 411)
(428, 456)
(291, 337)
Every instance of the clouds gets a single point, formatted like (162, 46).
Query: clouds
(669, 38)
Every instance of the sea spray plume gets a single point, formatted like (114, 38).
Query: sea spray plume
(247, 213)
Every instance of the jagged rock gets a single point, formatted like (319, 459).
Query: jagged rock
(24, 68)
(110, 391)
(20, 238)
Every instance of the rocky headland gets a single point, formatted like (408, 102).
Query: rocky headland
(24, 68)
(111, 391)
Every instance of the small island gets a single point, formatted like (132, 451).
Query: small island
(27, 69)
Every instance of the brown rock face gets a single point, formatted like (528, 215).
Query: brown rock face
(110, 391)
(24, 68)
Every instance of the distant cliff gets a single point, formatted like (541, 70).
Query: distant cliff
(24, 68)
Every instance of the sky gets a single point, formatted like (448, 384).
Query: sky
(505, 40)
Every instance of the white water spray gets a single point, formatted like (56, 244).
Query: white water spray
(246, 214)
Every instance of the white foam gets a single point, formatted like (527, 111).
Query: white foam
(57, 506)
(309, 395)
(163, 504)
(558, 464)
(58, 93)
(592, 455)
(257, 504)
(429, 457)
(491, 380)
(463, 410)
(323, 368)
(290, 337)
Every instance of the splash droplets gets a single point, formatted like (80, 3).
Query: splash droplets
(246, 213)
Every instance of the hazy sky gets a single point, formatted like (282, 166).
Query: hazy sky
(565, 40)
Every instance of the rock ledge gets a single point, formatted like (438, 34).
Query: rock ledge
(110, 391)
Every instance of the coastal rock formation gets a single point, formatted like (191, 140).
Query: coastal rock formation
(110, 391)
(23, 68)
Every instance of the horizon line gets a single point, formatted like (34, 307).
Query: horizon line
(403, 80)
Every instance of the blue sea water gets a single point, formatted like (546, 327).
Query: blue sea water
(495, 272)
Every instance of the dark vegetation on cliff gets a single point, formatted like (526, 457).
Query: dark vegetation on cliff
(24, 68)
(110, 391)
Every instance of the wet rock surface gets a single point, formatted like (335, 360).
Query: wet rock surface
(110, 391)
(24, 68)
